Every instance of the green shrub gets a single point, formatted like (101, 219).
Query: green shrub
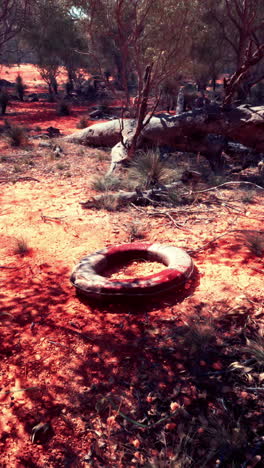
(4, 100)
(248, 196)
(255, 350)
(62, 166)
(20, 87)
(63, 109)
(107, 202)
(16, 135)
(136, 230)
(106, 183)
(148, 170)
(17, 168)
(255, 242)
(82, 123)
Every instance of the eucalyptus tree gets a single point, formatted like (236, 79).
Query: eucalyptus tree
(241, 24)
(12, 16)
(125, 36)
(53, 34)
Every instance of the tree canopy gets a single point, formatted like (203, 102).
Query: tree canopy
(198, 40)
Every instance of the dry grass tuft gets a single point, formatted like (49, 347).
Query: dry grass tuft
(148, 170)
(21, 247)
(16, 135)
(107, 202)
(106, 183)
(255, 242)
(82, 123)
(136, 230)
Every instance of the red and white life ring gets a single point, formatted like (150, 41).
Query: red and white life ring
(88, 277)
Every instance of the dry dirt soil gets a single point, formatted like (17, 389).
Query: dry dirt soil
(87, 371)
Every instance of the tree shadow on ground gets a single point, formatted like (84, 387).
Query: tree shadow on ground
(103, 361)
(237, 248)
(143, 304)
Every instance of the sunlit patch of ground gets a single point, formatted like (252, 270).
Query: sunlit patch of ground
(42, 114)
(31, 76)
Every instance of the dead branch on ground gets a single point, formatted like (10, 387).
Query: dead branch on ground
(125, 198)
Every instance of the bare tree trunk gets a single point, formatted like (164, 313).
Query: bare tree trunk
(180, 101)
(130, 134)
(234, 83)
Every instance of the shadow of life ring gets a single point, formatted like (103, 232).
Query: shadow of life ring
(88, 277)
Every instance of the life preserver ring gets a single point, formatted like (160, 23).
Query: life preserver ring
(88, 277)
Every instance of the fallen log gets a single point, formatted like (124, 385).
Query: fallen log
(137, 196)
(192, 131)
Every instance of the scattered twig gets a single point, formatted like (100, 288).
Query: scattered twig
(13, 268)
(125, 198)
(133, 421)
(211, 241)
(216, 238)
(18, 179)
(179, 226)
(27, 179)
(136, 423)
(6, 314)
(257, 269)
(230, 183)
(255, 389)
(58, 344)
(138, 209)
(168, 215)
(20, 390)
(51, 218)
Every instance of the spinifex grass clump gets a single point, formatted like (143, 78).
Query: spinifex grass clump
(200, 337)
(136, 230)
(200, 344)
(255, 242)
(255, 351)
(175, 197)
(107, 202)
(63, 108)
(4, 100)
(16, 135)
(225, 439)
(149, 170)
(248, 196)
(20, 87)
(106, 183)
(82, 123)
(21, 246)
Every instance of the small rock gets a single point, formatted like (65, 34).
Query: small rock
(44, 144)
(41, 433)
(32, 97)
(95, 114)
(53, 132)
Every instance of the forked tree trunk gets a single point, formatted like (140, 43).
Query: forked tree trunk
(180, 101)
(130, 134)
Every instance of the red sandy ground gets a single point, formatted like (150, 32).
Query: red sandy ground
(68, 352)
